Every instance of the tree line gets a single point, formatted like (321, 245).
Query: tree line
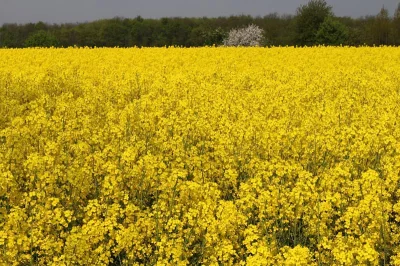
(314, 23)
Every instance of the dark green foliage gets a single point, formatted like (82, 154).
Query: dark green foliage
(358, 30)
(332, 32)
(279, 30)
(13, 35)
(214, 36)
(115, 32)
(308, 20)
(396, 26)
(381, 28)
(41, 38)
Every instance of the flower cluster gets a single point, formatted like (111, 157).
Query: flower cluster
(203, 156)
(251, 35)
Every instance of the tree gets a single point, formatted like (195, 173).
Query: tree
(214, 37)
(332, 32)
(278, 29)
(40, 26)
(396, 26)
(142, 32)
(381, 28)
(304, 28)
(252, 35)
(114, 32)
(9, 35)
(41, 39)
(309, 18)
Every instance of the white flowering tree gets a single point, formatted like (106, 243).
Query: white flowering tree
(251, 35)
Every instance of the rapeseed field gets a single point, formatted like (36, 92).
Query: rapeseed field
(200, 156)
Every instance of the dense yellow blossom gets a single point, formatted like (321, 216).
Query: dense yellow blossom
(202, 156)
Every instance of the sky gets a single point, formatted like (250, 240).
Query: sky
(61, 11)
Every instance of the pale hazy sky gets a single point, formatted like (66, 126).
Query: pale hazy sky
(55, 11)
